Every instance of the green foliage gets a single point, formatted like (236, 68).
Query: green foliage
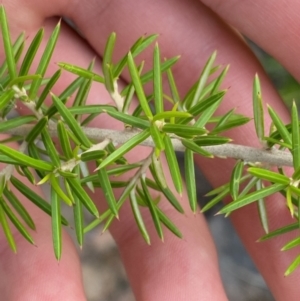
(162, 119)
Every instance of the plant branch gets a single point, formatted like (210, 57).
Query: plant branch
(250, 154)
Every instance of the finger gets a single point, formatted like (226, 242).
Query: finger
(274, 26)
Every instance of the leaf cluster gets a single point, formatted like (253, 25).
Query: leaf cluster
(76, 165)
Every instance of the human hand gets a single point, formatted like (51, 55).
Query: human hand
(177, 269)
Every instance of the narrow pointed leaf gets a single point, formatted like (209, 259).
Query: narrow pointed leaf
(195, 148)
(31, 52)
(16, 222)
(280, 231)
(78, 221)
(280, 126)
(183, 130)
(258, 110)
(292, 266)
(138, 87)
(60, 193)
(262, 210)
(64, 140)
(173, 164)
(138, 217)
(157, 138)
(168, 223)
(50, 148)
(126, 147)
(140, 45)
(83, 196)
(189, 169)
(56, 224)
(271, 176)
(171, 114)
(218, 198)
(81, 72)
(203, 78)
(5, 98)
(107, 63)
(107, 190)
(20, 209)
(93, 155)
(54, 78)
(130, 120)
(235, 179)
(8, 49)
(44, 62)
(71, 122)
(252, 197)
(152, 209)
(173, 87)
(7, 231)
(295, 137)
(23, 159)
(291, 244)
(157, 81)
(211, 140)
(15, 122)
(34, 198)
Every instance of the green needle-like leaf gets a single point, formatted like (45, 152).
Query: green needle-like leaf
(235, 179)
(195, 148)
(130, 120)
(125, 148)
(173, 87)
(292, 266)
(54, 78)
(7, 230)
(230, 124)
(173, 164)
(44, 62)
(78, 220)
(157, 81)
(5, 98)
(31, 52)
(206, 103)
(64, 140)
(71, 122)
(23, 159)
(183, 130)
(295, 137)
(8, 49)
(107, 190)
(211, 140)
(152, 209)
(83, 196)
(291, 244)
(56, 224)
(138, 87)
(252, 197)
(16, 222)
(15, 122)
(50, 148)
(220, 197)
(157, 138)
(280, 126)
(189, 170)
(20, 209)
(81, 72)
(167, 222)
(107, 63)
(203, 78)
(138, 217)
(262, 210)
(34, 198)
(219, 80)
(171, 114)
(258, 110)
(280, 231)
(271, 176)
(140, 45)
(60, 193)
(93, 155)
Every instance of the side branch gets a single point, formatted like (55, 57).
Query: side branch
(250, 154)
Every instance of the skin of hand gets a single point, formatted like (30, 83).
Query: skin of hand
(176, 269)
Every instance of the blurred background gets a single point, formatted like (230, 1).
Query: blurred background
(103, 273)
